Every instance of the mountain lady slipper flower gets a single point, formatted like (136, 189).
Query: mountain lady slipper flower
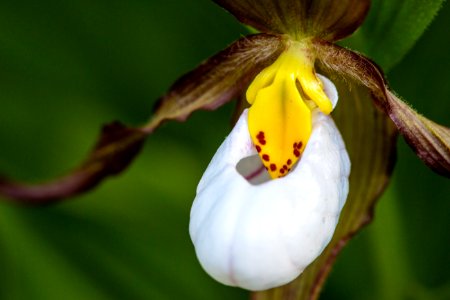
(268, 203)
(271, 203)
(256, 220)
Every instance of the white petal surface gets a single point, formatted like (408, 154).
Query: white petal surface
(262, 236)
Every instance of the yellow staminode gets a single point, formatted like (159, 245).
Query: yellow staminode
(279, 118)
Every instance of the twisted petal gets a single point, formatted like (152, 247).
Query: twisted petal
(430, 141)
(116, 148)
(329, 20)
(219, 79)
(213, 83)
(261, 234)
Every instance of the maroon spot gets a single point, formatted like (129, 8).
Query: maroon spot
(299, 145)
(295, 145)
(273, 167)
(296, 153)
(260, 137)
(265, 157)
(289, 162)
(285, 167)
(258, 148)
(282, 171)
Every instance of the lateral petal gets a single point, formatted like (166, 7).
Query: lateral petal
(430, 141)
(219, 79)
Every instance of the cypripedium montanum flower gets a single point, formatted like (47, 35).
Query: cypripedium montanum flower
(255, 220)
(271, 203)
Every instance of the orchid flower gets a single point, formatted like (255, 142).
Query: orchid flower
(300, 173)
(269, 202)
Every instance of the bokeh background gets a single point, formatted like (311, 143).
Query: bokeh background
(67, 67)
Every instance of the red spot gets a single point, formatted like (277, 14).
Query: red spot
(296, 153)
(258, 148)
(282, 171)
(299, 145)
(289, 162)
(273, 167)
(295, 145)
(285, 167)
(265, 157)
(260, 137)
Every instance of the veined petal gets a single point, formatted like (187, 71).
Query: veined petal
(259, 235)
(115, 149)
(430, 141)
(213, 83)
(329, 20)
(220, 78)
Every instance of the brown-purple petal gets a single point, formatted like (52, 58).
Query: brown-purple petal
(430, 141)
(327, 19)
(213, 83)
(219, 79)
(114, 151)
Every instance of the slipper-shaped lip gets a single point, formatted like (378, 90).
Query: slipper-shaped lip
(262, 236)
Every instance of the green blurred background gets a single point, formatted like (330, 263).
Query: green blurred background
(68, 67)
